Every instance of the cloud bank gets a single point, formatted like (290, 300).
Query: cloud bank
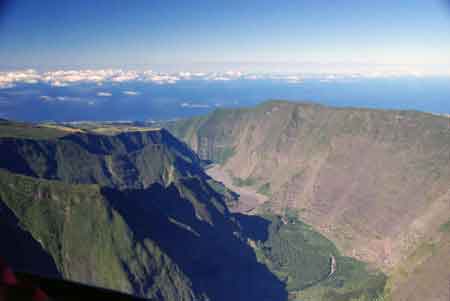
(62, 78)
(47, 98)
(195, 105)
(104, 94)
(130, 93)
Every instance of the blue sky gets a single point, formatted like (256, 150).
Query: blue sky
(224, 34)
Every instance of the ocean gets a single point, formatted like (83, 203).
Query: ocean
(138, 100)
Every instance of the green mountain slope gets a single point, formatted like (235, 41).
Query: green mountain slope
(307, 262)
(132, 212)
(87, 239)
(375, 182)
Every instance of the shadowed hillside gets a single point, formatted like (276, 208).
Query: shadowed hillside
(373, 181)
(133, 212)
(309, 264)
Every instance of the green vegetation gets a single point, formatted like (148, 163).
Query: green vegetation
(445, 227)
(243, 182)
(301, 257)
(133, 212)
(207, 135)
(352, 281)
(264, 189)
(291, 213)
(315, 155)
(166, 200)
(296, 253)
(184, 129)
(89, 241)
(223, 155)
(134, 159)
(422, 270)
(29, 131)
(230, 196)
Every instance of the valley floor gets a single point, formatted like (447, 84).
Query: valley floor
(249, 198)
(308, 263)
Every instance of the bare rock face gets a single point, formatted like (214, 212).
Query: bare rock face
(375, 182)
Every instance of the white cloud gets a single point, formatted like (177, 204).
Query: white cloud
(68, 98)
(104, 94)
(160, 78)
(61, 98)
(195, 105)
(46, 97)
(232, 73)
(294, 79)
(123, 76)
(58, 83)
(221, 78)
(131, 93)
(184, 75)
(61, 78)
(326, 73)
(9, 79)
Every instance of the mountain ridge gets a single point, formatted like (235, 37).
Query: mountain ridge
(133, 199)
(135, 195)
(375, 182)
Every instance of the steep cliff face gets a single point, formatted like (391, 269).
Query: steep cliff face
(87, 239)
(132, 212)
(127, 160)
(212, 136)
(135, 211)
(375, 182)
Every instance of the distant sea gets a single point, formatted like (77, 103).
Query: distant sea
(150, 101)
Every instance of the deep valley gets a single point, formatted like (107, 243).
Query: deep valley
(281, 201)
